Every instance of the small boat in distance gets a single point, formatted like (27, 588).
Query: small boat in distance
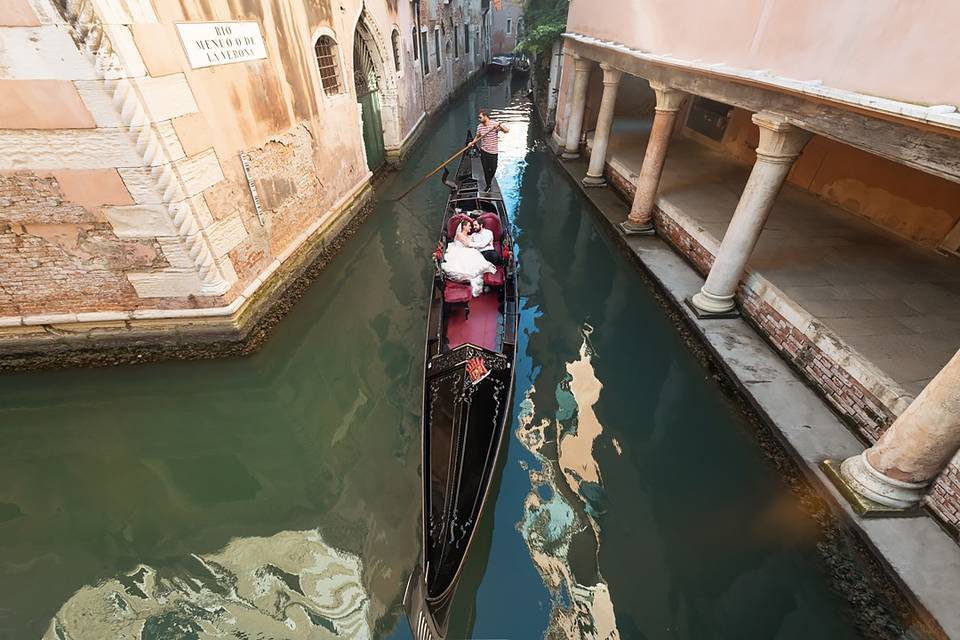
(468, 377)
(501, 63)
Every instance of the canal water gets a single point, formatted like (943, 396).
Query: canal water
(277, 496)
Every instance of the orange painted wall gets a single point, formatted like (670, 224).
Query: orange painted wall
(910, 203)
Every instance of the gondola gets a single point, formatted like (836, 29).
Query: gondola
(468, 380)
(500, 64)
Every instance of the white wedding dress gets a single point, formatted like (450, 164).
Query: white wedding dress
(466, 264)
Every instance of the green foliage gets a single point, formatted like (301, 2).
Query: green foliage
(545, 20)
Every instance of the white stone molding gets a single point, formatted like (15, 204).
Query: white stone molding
(942, 115)
(155, 150)
(668, 98)
(873, 485)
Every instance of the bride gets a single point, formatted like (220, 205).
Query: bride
(463, 263)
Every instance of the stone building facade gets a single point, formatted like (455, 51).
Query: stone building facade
(165, 168)
(758, 122)
(451, 47)
(506, 25)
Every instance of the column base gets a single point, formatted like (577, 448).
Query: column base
(594, 181)
(570, 155)
(709, 308)
(630, 228)
(861, 504)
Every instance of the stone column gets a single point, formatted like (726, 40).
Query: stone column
(780, 144)
(601, 136)
(581, 76)
(896, 470)
(640, 220)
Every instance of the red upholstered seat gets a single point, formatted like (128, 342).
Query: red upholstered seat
(492, 221)
(456, 292)
(454, 222)
(495, 279)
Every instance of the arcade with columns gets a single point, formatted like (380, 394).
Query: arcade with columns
(682, 190)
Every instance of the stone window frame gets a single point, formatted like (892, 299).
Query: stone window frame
(466, 39)
(437, 49)
(416, 43)
(509, 25)
(344, 90)
(424, 51)
(456, 41)
(396, 48)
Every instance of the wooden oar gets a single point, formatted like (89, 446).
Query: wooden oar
(432, 173)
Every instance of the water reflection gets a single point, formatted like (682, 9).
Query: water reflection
(290, 585)
(560, 523)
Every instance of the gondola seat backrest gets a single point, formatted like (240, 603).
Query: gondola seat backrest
(492, 221)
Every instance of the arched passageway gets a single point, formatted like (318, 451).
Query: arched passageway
(367, 80)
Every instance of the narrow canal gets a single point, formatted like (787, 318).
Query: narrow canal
(277, 496)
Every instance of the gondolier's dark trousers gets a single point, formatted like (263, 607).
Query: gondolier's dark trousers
(489, 162)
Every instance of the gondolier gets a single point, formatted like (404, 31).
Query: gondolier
(488, 137)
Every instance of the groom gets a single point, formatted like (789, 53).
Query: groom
(481, 239)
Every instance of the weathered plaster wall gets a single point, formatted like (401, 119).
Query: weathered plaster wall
(500, 40)
(163, 217)
(453, 70)
(910, 203)
(889, 48)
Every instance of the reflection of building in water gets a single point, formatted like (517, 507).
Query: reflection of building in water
(559, 524)
(290, 585)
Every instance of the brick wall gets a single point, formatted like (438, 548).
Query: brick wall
(26, 197)
(79, 267)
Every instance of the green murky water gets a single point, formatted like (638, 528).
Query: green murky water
(277, 496)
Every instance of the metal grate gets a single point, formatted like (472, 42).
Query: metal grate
(364, 70)
(326, 50)
(395, 37)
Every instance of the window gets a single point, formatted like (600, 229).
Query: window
(509, 24)
(456, 43)
(436, 45)
(466, 38)
(327, 63)
(395, 40)
(416, 44)
(424, 53)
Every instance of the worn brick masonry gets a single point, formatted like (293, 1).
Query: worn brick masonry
(57, 256)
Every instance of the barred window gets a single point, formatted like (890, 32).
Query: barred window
(328, 64)
(395, 40)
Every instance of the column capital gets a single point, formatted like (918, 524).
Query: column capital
(668, 98)
(780, 141)
(611, 75)
(581, 64)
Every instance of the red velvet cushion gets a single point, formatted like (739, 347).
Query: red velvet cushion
(455, 292)
(495, 279)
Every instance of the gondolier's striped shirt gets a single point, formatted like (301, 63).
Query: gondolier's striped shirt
(489, 136)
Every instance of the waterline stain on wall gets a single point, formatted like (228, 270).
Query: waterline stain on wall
(289, 585)
(566, 497)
